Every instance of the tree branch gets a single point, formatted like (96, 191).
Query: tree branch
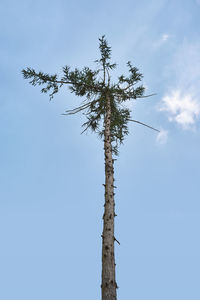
(146, 96)
(79, 108)
(75, 83)
(31, 73)
(144, 125)
(116, 240)
(126, 88)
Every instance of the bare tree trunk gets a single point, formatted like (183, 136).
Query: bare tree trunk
(108, 285)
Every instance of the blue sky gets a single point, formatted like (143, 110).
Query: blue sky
(51, 196)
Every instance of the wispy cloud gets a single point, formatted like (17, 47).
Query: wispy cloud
(162, 137)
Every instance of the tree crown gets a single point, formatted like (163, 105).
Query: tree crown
(96, 86)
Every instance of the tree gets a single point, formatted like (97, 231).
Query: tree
(106, 115)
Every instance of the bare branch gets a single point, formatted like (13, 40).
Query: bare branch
(79, 108)
(76, 109)
(144, 125)
(146, 96)
(116, 240)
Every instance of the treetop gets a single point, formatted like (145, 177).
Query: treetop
(95, 85)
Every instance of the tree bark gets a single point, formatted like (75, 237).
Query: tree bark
(108, 286)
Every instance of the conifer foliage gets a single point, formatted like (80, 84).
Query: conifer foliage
(106, 115)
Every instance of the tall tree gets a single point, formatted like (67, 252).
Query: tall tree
(107, 116)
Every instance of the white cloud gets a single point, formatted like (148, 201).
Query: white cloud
(182, 101)
(162, 137)
(182, 109)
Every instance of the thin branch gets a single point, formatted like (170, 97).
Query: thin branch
(116, 240)
(126, 88)
(144, 125)
(129, 96)
(85, 128)
(78, 109)
(146, 96)
(89, 122)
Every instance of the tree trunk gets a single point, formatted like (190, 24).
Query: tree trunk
(108, 285)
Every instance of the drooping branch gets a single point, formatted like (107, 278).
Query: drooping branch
(79, 108)
(146, 96)
(135, 121)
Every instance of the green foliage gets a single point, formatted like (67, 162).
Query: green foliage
(105, 51)
(90, 84)
(41, 78)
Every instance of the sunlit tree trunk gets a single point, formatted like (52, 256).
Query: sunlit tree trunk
(108, 285)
